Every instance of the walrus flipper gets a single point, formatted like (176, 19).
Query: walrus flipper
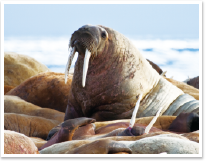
(185, 122)
(102, 147)
(66, 130)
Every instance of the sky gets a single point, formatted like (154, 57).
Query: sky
(176, 21)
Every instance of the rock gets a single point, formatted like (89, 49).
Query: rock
(16, 143)
(14, 104)
(18, 68)
(185, 88)
(45, 90)
(29, 125)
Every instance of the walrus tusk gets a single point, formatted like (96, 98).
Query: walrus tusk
(69, 62)
(147, 129)
(85, 67)
(132, 121)
(163, 74)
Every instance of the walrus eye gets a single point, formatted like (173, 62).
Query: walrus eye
(103, 35)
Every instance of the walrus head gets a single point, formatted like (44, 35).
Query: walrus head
(88, 41)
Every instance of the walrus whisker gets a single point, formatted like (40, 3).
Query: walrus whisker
(147, 129)
(69, 62)
(85, 67)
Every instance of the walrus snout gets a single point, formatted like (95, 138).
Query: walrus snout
(82, 41)
(89, 37)
(87, 41)
(95, 30)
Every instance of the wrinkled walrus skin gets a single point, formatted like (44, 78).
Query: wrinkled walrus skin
(117, 74)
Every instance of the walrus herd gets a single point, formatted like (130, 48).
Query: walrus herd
(90, 111)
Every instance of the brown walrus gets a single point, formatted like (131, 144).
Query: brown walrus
(45, 90)
(109, 76)
(155, 144)
(7, 88)
(29, 125)
(99, 135)
(14, 104)
(82, 129)
(71, 130)
(18, 68)
(185, 88)
(194, 82)
(67, 130)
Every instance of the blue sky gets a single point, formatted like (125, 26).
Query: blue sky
(145, 21)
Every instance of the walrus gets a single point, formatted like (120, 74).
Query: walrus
(103, 146)
(148, 145)
(18, 68)
(185, 88)
(14, 104)
(31, 126)
(157, 140)
(45, 90)
(16, 143)
(85, 129)
(110, 74)
(193, 82)
(67, 130)
(75, 129)
(7, 88)
(71, 130)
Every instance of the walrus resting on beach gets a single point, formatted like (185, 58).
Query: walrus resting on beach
(101, 134)
(109, 76)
